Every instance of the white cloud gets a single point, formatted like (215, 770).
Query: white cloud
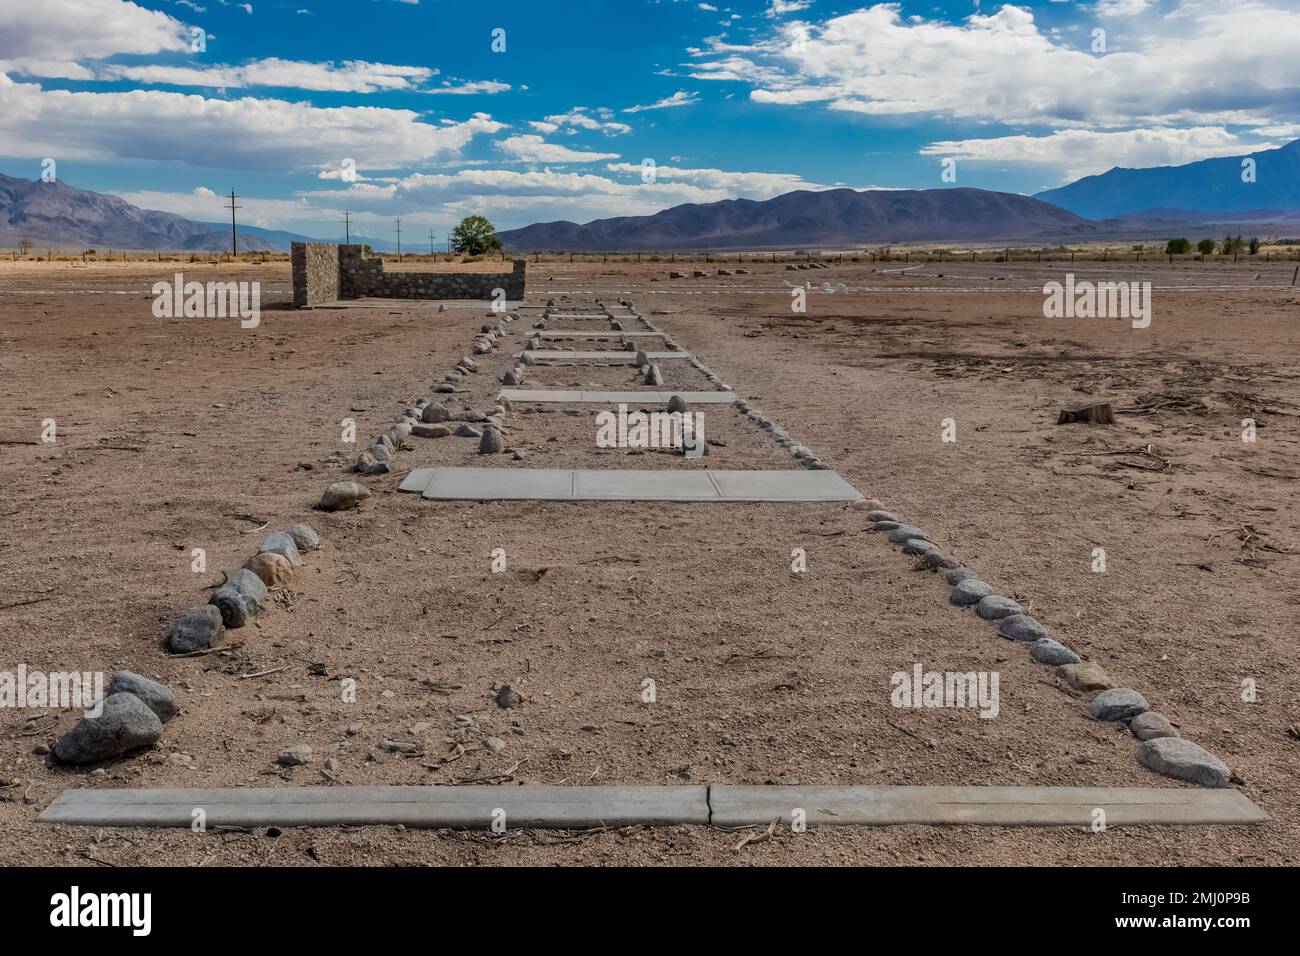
(680, 98)
(1122, 8)
(478, 86)
(352, 76)
(244, 133)
(778, 8)
(1079, 152)
(534, 149)
(583, 117)
(49, 38)
(1218, 61)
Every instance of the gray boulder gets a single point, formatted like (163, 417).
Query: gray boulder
(995, 607)
(1021, 627)
(905, 532)
(968, 592)
(197, 629)
(157, 697)
(1184, 760)
(126, 724)
(1151, 725)
(305, 537)
(240, 598)
(283, 544)
(1118, 703)
(1048, 651)
(343, 496)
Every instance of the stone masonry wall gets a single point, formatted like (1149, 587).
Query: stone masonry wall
(315, 273)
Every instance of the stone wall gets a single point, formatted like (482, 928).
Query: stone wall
(354, 276)
(315, 273)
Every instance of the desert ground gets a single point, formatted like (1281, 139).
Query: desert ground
(175, 434)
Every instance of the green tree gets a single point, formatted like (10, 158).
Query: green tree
(1254, 246)
(474, 236)
(1178, 247)
(1205, 247)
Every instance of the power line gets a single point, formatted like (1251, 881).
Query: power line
(399, 239)
(347, 228)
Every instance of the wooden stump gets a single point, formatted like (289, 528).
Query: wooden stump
(1099, 413)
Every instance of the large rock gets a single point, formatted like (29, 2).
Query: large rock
(343, 496)
(435, 412)
(430, 431)
(1184, 760)
(282, 543)
(274, 569)
(1118, 703)
(1021, 627)
(935, 560)
(653, 376)
(1085, 676)
(126, 724)
(197, 629)
(906, 532)
(677, 404)
(969, 591)
(240, 598)
(156, 696)
(1048, 651)
(1152, 725)
(879, 515)
(491, 442)
(958, 575)
(995, 607)
(305, 537)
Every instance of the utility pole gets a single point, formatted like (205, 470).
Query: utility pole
(431, 252)
(399, 239)
(347, 228)
(234, 241)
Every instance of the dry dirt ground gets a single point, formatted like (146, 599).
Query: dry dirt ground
(173, 432)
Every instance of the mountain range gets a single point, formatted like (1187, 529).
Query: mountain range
(1120, 203)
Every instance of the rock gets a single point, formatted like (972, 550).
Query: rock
(958, 575)
(1047, 651)
(677, 404)
(467, 363)
(1182, 760)
(467, 431)
(365, 461)
(995, 607)
(879, 515)
(240, 598)
(494, 744)
(1151, 726)
(968, 592)
(653, 376)
(642, 359)
(511, 378)
(918, 546)
(936, 560)
(342, 496)
(156, 696)
(305, 537)
(379, 468)
(126, 724)
(507, 696)
(434, 412)
(444, 388)
(1021, 627)
(380, 453)
(274, 569)
(885, 526)
(282, 543)
(294, 756)
(1085, 676)
(430, 431)
(1118, 703)
(905, 532)
(491, 443)
(196, 630)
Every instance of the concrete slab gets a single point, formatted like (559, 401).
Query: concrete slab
(531, 806)
(624, 484)
(417, 480)
(988, 806)
(577, 315)
(800, 485)
(500, 484)
(647, 397)
(559, 355)
(644, 485)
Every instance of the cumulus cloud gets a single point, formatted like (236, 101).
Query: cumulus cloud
(352, 76)
(246, 133)
(582, 117)
(1078, 152)
(534, 149)
(1219, 59)
(50, 38)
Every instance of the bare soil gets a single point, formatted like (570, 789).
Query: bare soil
(173, 433)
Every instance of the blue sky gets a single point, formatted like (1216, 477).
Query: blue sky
(750, 98)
